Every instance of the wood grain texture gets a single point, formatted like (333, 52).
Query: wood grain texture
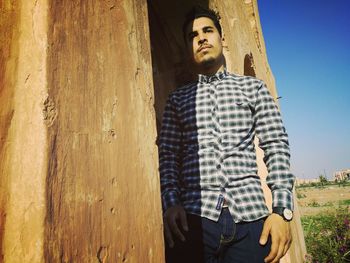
(23, 153)
(103, 198)
(9, 21)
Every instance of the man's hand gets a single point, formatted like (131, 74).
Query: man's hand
(280, 236)
(171, 216)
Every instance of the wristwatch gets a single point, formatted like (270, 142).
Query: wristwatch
(286, 213)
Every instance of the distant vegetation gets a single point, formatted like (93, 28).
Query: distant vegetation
(324, 182)
(340, 203)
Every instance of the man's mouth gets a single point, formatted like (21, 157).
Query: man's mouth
(204, 47)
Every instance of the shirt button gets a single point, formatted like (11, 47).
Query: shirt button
(218, 166)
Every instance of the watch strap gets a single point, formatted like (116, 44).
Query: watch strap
(278, 210)
(283, 212)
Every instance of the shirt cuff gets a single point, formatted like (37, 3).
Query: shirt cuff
(282, 198)
(170, 199)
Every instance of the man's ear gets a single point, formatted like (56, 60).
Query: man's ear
(223, 43)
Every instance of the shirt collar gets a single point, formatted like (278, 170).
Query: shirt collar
(208, 79)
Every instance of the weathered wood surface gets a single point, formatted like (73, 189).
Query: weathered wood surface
(23, 133)
(102, 181)
(79, 179)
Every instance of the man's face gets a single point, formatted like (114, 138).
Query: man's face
(204, 43)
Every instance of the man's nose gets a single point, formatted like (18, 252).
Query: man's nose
(201, 39)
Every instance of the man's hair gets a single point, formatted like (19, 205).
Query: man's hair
(199, 11)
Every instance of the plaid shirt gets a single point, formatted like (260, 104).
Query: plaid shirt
(207, 153)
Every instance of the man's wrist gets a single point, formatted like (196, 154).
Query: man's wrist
(284, 212)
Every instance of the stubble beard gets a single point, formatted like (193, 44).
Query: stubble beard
(209, 63)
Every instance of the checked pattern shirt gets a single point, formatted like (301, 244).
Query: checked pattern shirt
(207, 153)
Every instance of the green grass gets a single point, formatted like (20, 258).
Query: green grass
(345, 202)
(344, 183)
(314, 203)
(327, 237)
(300, 195)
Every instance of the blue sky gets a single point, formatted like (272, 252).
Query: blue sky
(308, 48)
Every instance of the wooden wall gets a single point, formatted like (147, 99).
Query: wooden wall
(79, 179)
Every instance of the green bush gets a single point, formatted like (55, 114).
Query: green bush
(300, 195)
(327, 237)
(313, 204)
(344, 202)
(329, 203)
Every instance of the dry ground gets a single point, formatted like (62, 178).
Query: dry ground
(313, 200)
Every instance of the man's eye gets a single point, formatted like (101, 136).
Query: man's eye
(191, 36)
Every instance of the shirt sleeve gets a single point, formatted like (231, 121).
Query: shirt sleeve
(273, 140)
(169, 155)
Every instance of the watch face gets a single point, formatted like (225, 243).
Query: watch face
(288, 214)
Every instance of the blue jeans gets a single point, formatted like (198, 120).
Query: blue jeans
(219, 242)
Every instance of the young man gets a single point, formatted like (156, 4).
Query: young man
(214, 207)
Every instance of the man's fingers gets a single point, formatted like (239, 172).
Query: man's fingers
(175, 229)
(265, 233)
(168, 235)
(175, 216)
(287, 246)
(279, 253)
(273, 252)
(183, 220)
(278, 249)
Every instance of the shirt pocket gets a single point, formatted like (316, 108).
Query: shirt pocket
(236, 120)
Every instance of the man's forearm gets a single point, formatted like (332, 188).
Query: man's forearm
(169, 156)
(273, 140)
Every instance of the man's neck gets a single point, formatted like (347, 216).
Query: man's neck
(211, 71)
